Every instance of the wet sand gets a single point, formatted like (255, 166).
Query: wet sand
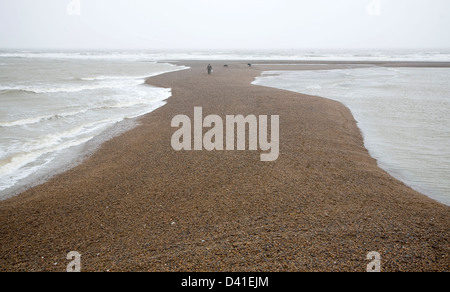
(137, 205)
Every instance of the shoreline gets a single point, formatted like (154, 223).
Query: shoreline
(120, 202)
(374, 152)
(77, 155)
(74, 156)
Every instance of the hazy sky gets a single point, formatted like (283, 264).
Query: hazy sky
(224, 24)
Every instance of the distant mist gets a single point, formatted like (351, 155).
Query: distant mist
(231, 24)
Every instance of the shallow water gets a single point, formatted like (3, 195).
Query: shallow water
(49, 105)
(404, 115)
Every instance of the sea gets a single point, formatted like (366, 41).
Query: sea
(52, 105)
(403, 114)
(56, 104)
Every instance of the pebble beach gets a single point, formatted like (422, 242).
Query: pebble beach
(137, 205)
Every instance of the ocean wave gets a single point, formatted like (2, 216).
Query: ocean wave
(236, 55)
(54, 139)
(31, 156)
(126, 105)
(21, 160)
(135, 96)
(128, 78)
(126, 56)
(6, 90)
(55, 112)
(66, 89)
(35, 120)
(27, 121)
(314, 87)
(114, 78)
(86, 83)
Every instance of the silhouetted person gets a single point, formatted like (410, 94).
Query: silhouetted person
(210, 69)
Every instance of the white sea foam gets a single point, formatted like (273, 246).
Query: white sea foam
(113, 83)
(46, 118)
(397, 56)
(41, 144)
(98, 56)
(24, 122)
(123, 78)
(17, 169)
(404, 114)
(34, 120)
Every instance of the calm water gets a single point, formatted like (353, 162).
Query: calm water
(52, 104)
(404, 114)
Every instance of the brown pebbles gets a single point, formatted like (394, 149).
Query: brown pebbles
(137, 205)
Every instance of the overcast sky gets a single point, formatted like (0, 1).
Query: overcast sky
(224, 24)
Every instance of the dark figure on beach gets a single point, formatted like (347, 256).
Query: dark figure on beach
(210, 69)
(249, 65)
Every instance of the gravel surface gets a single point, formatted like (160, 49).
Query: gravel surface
(138, 205)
